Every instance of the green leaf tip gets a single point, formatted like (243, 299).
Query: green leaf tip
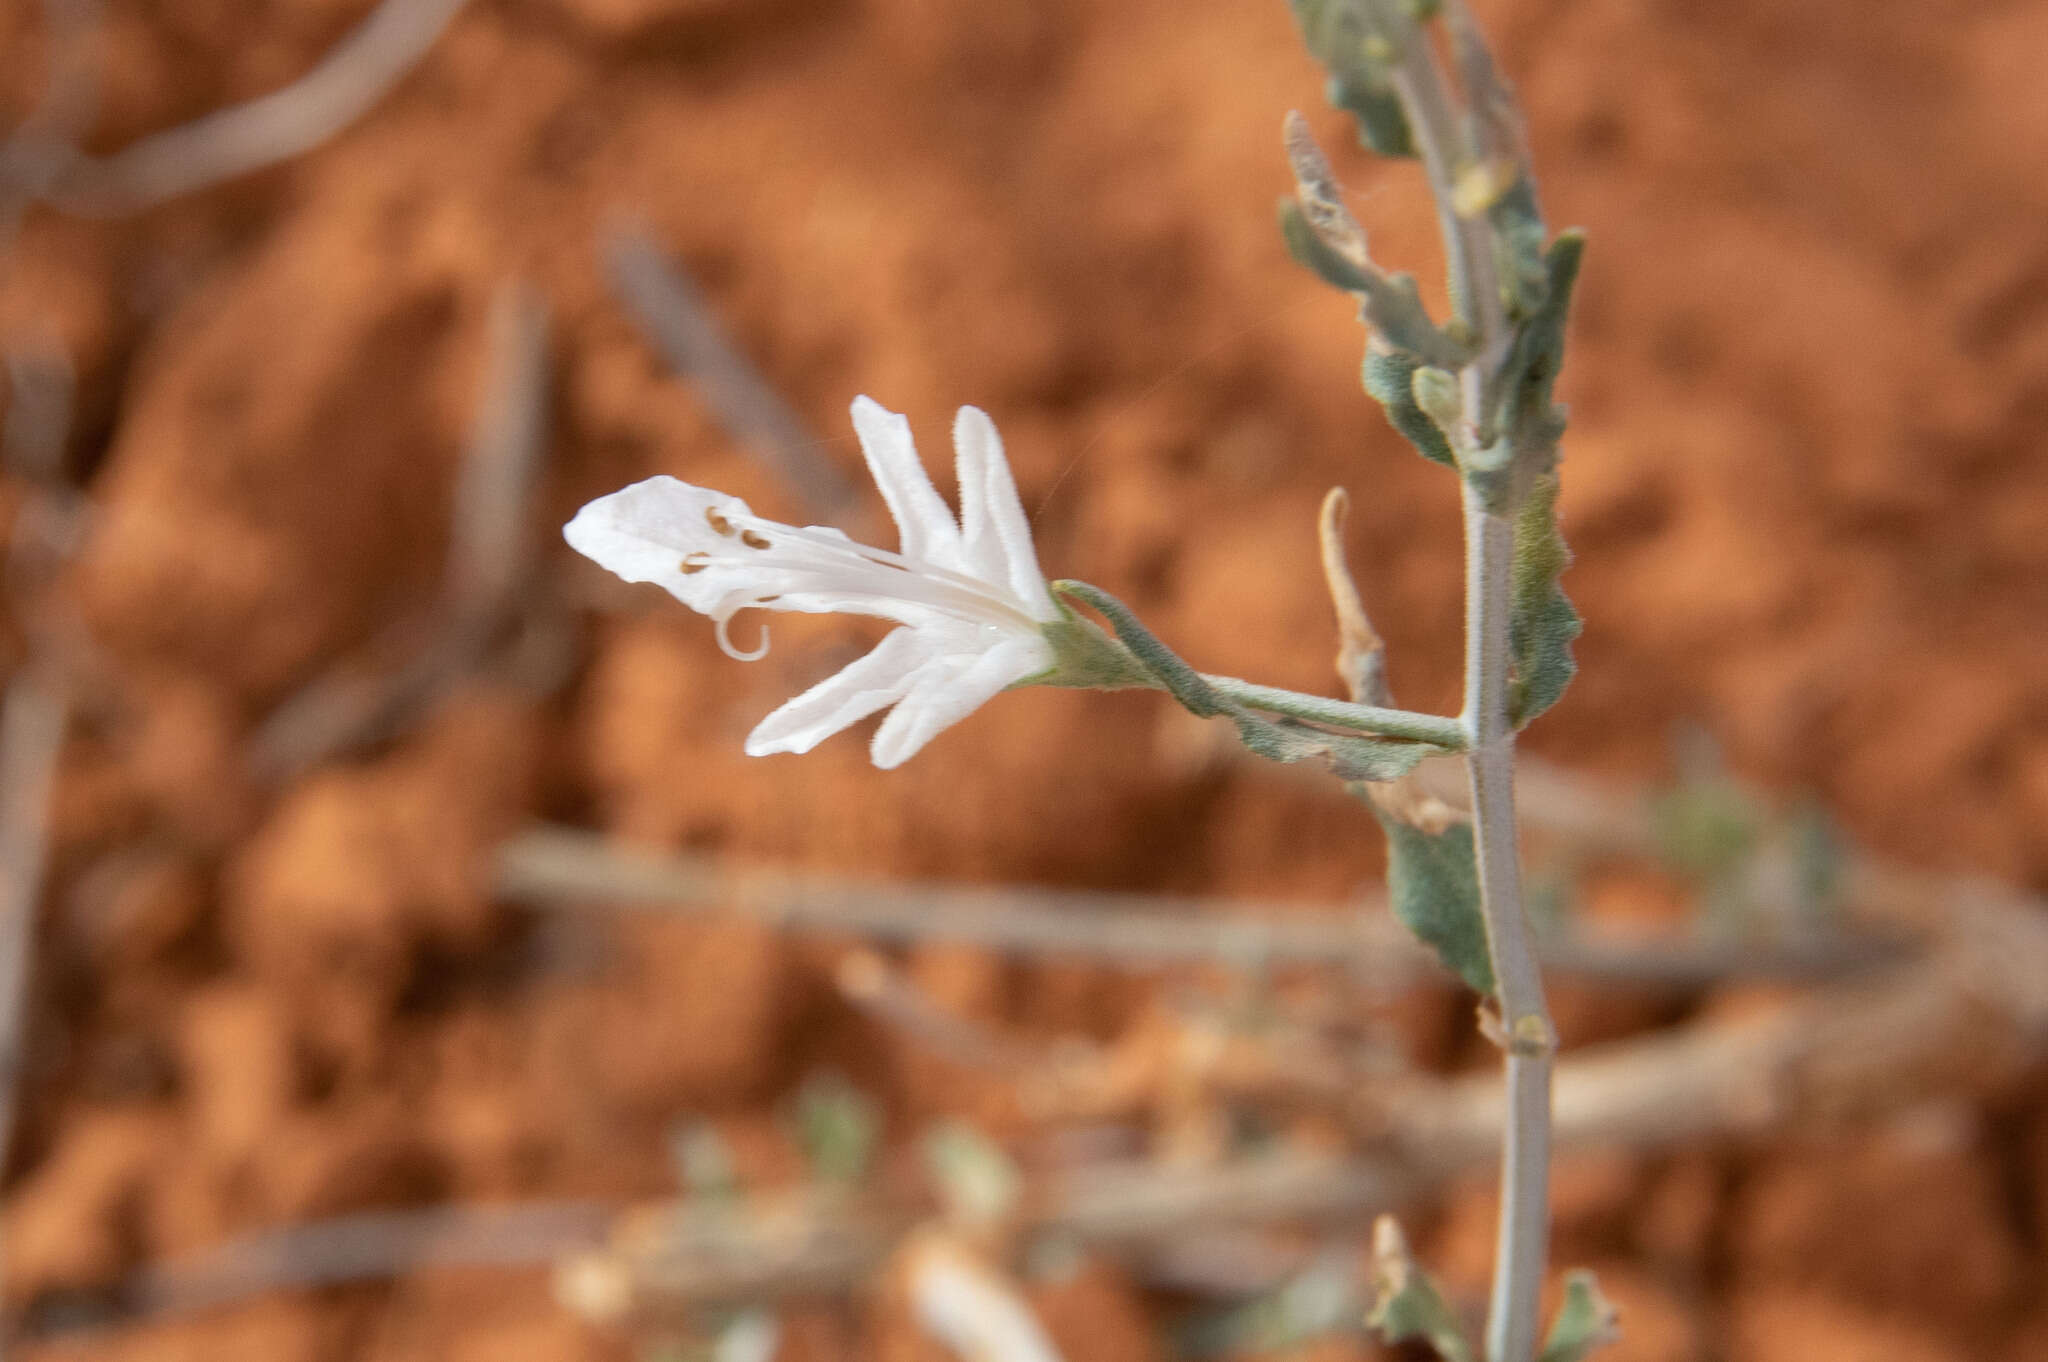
(1357, 41)
(1407, 1307)
(1586, 1320)
(1541, 620)
(1433, 888)
(1312, 253)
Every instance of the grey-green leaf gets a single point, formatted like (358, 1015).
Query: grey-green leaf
(1585, 1321)
(1541, 620)
(1313, 254)
(1390, 380)
(1377, 109)
(1350, 758)
(1527, 415)
(1407, 1305)
(1433, 887)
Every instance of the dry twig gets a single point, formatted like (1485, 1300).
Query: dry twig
(552, 865)
(260, 133)
(681, 325)
(487, 560)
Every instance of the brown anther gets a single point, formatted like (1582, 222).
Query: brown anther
(753, 540)
(694, 563)
(717, 521)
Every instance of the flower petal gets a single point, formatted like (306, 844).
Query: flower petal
(948, 688)
(996, 537)
(879, 678)
(923, 520)
(643, 532)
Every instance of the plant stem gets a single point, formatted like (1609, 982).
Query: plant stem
(1320, 709)
(1528, 1036)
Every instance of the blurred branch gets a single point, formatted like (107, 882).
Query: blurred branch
(262, 132)
(487, 559)
(680, 324)
(373, 1246)
(44, 143)
(551, 864)
(32, 723)
(41, 385)
(1967, 1019)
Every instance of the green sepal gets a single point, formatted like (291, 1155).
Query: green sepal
(1585, 1320)
(1390, 380)
(1160, 663)
(1086, 658)
(1541, 620)
(1433, 888)
(1407, 1307)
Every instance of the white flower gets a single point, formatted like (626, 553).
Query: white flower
(967, 595)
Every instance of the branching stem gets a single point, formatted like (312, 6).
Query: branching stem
(1529, 1036)
(1527, 1033)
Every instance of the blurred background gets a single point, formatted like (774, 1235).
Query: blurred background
(300, 394)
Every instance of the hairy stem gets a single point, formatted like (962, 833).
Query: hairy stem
(1528, 1036)
(1374, 720)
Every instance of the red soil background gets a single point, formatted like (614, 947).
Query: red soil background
(1809, 389)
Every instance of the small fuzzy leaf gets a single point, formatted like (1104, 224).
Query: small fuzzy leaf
(1541, 620)
(1382, 125)
(1312, 253)
(1390, 304)
(837, 1127)
(1433, 887)
(1525, 273)
(1390, 380)
(1585, 1321)
(1532, 423)
(1355, 43)
(1350, 758)
(1406, 1304)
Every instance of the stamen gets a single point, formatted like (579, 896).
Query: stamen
(753, 540)
(717, 521)
(722, 624)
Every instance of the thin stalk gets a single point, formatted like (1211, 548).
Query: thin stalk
(1376, 720)
(1527, 1033)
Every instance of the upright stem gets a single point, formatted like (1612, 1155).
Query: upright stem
(1527, 1034)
